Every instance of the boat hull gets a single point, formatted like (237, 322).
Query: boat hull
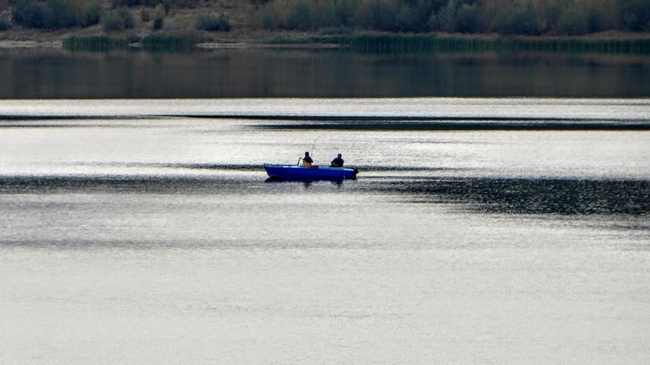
(296, 172)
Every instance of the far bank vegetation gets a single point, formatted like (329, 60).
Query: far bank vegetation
(505, 17)
(508, 17)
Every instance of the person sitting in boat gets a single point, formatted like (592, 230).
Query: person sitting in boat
(337, 162)
(307, 161)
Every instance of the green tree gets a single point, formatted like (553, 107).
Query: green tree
(549, 12)
(301, 16)
(62, 14)
(445, 18)
(379, 15)
(32, 14)
(468, 19)
(347, 12)
(159, 18)
(635, 15)
(571, 22)
(594, 19)
(91, 14)
(212, 23)
(119, 19)
(414, 15)
(511, 21)
(326, 14)
(268, 18)
(4, 24)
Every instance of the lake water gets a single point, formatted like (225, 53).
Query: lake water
(268, 73)
(479, 230)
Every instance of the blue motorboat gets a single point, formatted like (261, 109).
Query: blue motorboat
(302, 173)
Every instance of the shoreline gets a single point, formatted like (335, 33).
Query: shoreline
(30, 44)
(606, 42)
(23, 35)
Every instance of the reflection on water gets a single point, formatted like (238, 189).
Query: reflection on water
(469, 124)
(532, 196)
(46, 73)
(484, 195)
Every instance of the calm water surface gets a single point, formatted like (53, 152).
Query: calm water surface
(479, 231)
(268, 73)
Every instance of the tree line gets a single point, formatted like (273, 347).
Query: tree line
(57, 14)
(509, 17)
(54, 14)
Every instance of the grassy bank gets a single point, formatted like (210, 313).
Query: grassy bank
(166, 43)
(150, 43)
(429, 43)
(382, 43)
(405, 43)
(94, 44)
